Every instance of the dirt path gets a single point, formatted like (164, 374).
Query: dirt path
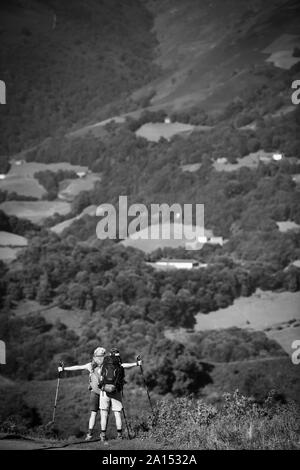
(22, 443)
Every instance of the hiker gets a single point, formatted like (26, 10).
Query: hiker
(94, 368)
(112, 390)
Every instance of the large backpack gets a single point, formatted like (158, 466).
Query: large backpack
(112, 374)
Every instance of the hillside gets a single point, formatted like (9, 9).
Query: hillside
(166, 102)
(62, 65)
(176, 424)
(144, 54)
(207, 50)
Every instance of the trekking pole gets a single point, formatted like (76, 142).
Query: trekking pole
(141, 369)
(56, 394)
(126, 423)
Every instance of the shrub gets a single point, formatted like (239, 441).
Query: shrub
(240, 423)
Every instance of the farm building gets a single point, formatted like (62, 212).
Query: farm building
(81, 174)
(211, 240)
(277, 157)
(179, 263)
(216, 241)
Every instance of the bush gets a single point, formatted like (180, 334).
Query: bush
(240, 423)
(15, 415)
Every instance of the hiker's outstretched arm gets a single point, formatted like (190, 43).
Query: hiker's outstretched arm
(78, 367)
(129, 365)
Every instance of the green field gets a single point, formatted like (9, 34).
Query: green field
(74, 319)
(262, 311)
(10, 239)
(59, 228)
(8, 254)
(281, 51)
(10, 245)
(177, 238)
(70, 189)
(249, 161)
(20, 178)
(287, 225)
(35, 211)
(158, 130)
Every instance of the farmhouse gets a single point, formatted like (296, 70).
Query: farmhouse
(81, 174)
(216, 241)
(222, 160)
(211, 240)
(277, 157)
(180, 263)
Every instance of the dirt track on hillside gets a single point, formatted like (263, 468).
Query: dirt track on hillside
(11, 442)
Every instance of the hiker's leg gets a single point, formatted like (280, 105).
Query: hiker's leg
(104, 415)
(94, 407)
(104, 409)
(92, 420)
(117, 406)
(118, 419)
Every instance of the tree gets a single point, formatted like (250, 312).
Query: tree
(44, 290)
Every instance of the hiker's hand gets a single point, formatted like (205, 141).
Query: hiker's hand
(60, 369)
(139, 362)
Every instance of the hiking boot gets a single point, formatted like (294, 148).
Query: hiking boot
(103, 438)
(88, 436)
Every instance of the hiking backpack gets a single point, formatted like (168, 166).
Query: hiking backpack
(112, 374)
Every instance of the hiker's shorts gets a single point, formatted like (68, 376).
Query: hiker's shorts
(94, 401)
(115, 399)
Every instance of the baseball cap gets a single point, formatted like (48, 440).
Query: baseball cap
(99, 352)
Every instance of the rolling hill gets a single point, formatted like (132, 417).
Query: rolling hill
(82, 82)
(207, 49)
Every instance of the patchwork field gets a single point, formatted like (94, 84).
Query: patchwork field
(287, 225)
(96, 129)
(10, 239)
(274, 312)
(23, 186)
(72, 319)
(36, 211)
(157, 130)
(281, 51)
(250, 161)
(10, 245)
(141, 240)
(71, 188)
(191, 167)
(59, 228)
(8, 254)
(27, 169)
(20, 178)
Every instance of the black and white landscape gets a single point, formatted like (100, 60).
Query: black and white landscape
(165, 102)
